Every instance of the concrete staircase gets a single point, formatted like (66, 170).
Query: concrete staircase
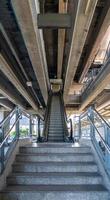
(52, 171)
(56, 130)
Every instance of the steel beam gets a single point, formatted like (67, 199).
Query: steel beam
(54, 20)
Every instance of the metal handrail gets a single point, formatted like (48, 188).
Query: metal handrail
(105, 144)
(102, 118)
(8, 133)
(46, 118)
(4, 120)
(66, 121)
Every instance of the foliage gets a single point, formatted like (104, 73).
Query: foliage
(23, 132)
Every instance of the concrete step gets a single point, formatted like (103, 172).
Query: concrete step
(55, 149)
(54, 178)
(55, 192)
(60, 136)
(54, 167)
(55, 134)
(55, 139)
(53, 128)
(56, 126)
(55, 157)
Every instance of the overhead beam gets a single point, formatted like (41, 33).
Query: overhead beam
(97, 86)
(6, 69)
(102, 28)
(61, 40)
(13, 98)
(83, 20)
(54, 20)
(26, 14)
(7, 104)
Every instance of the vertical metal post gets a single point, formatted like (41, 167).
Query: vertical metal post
(107, 139)
(39, 138)
(80, 132)
(17, 124)
(92, 129)
(71, 128)
(2, 149)
(30, 126)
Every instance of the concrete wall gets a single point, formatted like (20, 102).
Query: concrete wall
(8, 169)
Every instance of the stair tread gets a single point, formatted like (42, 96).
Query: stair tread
(55, 154)
(65, 188)
(72, 163)
(55, 174)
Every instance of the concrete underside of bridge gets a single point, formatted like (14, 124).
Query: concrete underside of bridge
(45, 43)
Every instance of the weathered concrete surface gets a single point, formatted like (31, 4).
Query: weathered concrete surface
(97, 86)
(96, 46)
(26, 12)
(8, 168)
(82, 23)
(6, 69)
(61, 40)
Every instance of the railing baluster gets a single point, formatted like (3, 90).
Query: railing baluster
(39, 136)
(2, 148)
(30, 126)
(107, 139)
(17, 124)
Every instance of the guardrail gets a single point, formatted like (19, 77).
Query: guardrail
(99, 134)
(68, 126)
(10, 132)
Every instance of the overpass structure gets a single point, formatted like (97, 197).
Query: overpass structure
(55, 63)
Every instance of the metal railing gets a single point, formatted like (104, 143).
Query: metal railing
(11, 132)
(68, 126)
(47, 119)
(99, 131)
(92, 75)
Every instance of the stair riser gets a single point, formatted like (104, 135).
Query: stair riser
(56, 129)
(54, 150)
(55, 158)
(55, 139)
(55, 135)
(55, 195)
(53, 181)
(43, 168)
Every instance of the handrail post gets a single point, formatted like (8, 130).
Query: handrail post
(71, 133)
(80, 131)
(39, 137)
(92, 130)
(17, 124)
(2, 148)
(107, 139)
(30, 126)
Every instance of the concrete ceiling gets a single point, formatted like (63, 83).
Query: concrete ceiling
(31, 55)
